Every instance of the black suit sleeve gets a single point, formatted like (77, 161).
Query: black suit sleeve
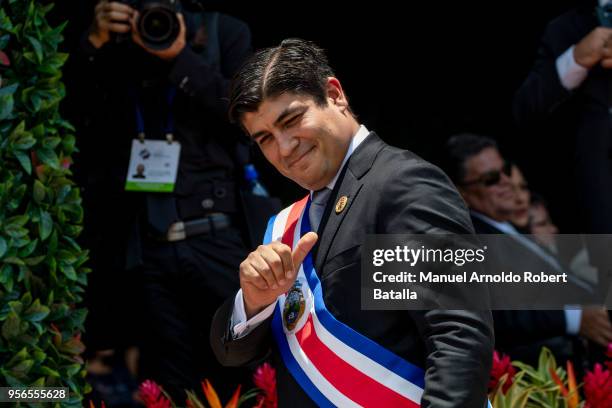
(244, 351)
(459, 343)
(199, 80)
(542, 92)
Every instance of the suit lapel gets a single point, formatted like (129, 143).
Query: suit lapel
(349, 184)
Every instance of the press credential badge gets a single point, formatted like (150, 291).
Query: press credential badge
(153, 166)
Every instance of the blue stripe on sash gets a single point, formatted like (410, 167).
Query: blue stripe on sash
(283, 346)
(350, 337)
(268, 235)
(292, 365)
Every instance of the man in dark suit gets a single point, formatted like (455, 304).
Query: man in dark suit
(476, 166)
(288, 101)
(568, 92)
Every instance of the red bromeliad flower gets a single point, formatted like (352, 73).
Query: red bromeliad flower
(501, 365)
(152, 395)
(598, 388)
(609, 355)
(265, 379)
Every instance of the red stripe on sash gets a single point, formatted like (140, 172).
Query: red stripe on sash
(351, 382)
(292, 219)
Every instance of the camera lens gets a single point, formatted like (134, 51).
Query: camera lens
(158, 25)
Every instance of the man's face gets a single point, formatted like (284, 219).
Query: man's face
(542, 226)
(522, 196)
(305, 142)
(486, 188)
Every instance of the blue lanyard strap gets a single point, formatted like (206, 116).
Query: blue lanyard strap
(140, 125)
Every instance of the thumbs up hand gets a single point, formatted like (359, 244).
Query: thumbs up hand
(270, 271)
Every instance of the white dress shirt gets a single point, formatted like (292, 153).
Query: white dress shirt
(240, 325)
(571, 74)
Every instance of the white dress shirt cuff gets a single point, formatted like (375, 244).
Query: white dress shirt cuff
(573, 317)
(570, 72)
(240, 325)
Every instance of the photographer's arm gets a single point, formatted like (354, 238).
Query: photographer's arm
(208, 86)
(194, 76)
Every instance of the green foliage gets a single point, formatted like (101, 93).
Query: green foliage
(42, 272)
(537, 387)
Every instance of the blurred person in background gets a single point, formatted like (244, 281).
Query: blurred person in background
(163, 259)
(485, 181)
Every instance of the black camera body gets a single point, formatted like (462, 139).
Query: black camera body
(157, 23)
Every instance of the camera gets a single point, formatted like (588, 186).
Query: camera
(157, 23)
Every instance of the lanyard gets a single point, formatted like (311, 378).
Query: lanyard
(140, 124)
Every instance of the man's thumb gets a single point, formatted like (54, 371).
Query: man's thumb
(303, 247)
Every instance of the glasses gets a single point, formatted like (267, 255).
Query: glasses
(491, 178)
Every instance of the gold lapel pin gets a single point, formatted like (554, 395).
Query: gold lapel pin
(341, 204)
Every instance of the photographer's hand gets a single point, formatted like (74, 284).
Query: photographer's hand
(110, 17)
(595, 48)
(169, 53)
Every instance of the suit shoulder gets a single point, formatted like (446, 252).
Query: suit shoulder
(400, 163)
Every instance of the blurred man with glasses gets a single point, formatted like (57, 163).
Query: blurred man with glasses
(483, 178)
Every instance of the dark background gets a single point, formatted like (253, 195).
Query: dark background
(416, 72)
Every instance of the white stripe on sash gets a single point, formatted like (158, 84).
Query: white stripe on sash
(367, 366)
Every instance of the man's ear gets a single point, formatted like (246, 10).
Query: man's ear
(335, 93)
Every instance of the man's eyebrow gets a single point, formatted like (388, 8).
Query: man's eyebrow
(289, 111)
(286, 112)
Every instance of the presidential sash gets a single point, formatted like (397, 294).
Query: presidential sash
(335, 365)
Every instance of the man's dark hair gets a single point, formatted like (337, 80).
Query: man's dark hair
(459, 148)
(538, 199)
(296, 66)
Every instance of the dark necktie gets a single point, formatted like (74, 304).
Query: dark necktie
(317, 206)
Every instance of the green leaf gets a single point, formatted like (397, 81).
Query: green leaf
(38, 383)
(6, 276)
(4, 40)
(16, 232)
(45, 227)
(48, 157)
(28, 249)
(10, 328)
(13, 260)
(17, 357)
(77, 318)
(53, 242)
(24, 160)
(50, 372)
(34, 260)
(3, 247)
(17, 221)
(6, 106)
(9, 89)
(38, 131)
(73, 369)
(25, 142)
(69, 271)
(51, 142)
(23, 271)
(36, 312)
(38, 49)
(68, 143)
(22, 369)
(39, 191)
